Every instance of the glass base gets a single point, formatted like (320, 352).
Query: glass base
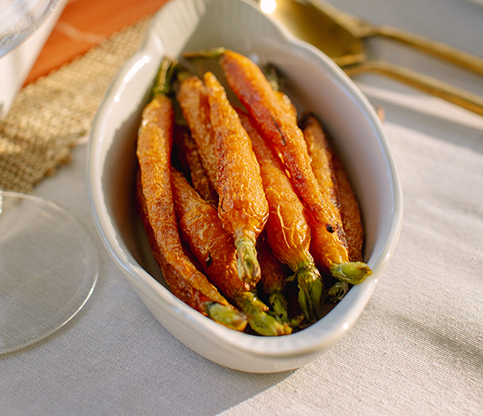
(48, 269)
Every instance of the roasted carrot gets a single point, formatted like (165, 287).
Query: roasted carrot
(199, 222)
(330, 173)
(190, 158)
(243, 207)
(322, 165)
(321, 162)
(194, 104)
(287, 229)
(213, 247)
(349, 210)
(223, 314)
(277, 127)
(153, 152)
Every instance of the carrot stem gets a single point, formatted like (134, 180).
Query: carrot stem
(279, 304)
(336, 292)
(274, 278)
(215, 53)
(311, 292)
(248, 265)
(164, 77)
(258, 318)
(226, 315)
(351, 272)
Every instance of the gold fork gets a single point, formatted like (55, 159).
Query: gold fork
(340, 36)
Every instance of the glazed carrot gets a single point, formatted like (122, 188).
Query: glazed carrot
(191, 160)
(243, 207)
(154, 144)
(321, 161)
(198, 221)
(153, 152)
(331, 176)
(349, 210)
(196, 111)
(277, 127)
(287, 229)
(224, 314)
(213, 247)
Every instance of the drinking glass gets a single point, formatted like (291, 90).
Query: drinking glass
(48, 261)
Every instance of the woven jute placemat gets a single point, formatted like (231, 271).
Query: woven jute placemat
(50, 115)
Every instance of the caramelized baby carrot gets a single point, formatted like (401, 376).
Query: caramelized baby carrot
(154, 144)
(223, 314)
(191, 160)
(153, 152)
(213, 247)
(349, 210)
(321, 161)
(277, 127)
(196, 111)
(243, 207)
(322, 165)
(331, 175)
(287, 229)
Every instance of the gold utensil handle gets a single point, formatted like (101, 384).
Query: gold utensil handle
(422, 82)
(441, 50)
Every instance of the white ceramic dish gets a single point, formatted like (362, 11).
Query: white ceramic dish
(314, 84)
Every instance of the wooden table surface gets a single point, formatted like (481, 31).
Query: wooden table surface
(85, 23)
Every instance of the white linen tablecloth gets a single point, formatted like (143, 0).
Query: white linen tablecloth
(416, 350)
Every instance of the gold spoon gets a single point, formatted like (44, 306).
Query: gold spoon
(340, 36)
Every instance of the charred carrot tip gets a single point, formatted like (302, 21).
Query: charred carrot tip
(259, 319)
(351, 272)
(311, 293)
(226, 316)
